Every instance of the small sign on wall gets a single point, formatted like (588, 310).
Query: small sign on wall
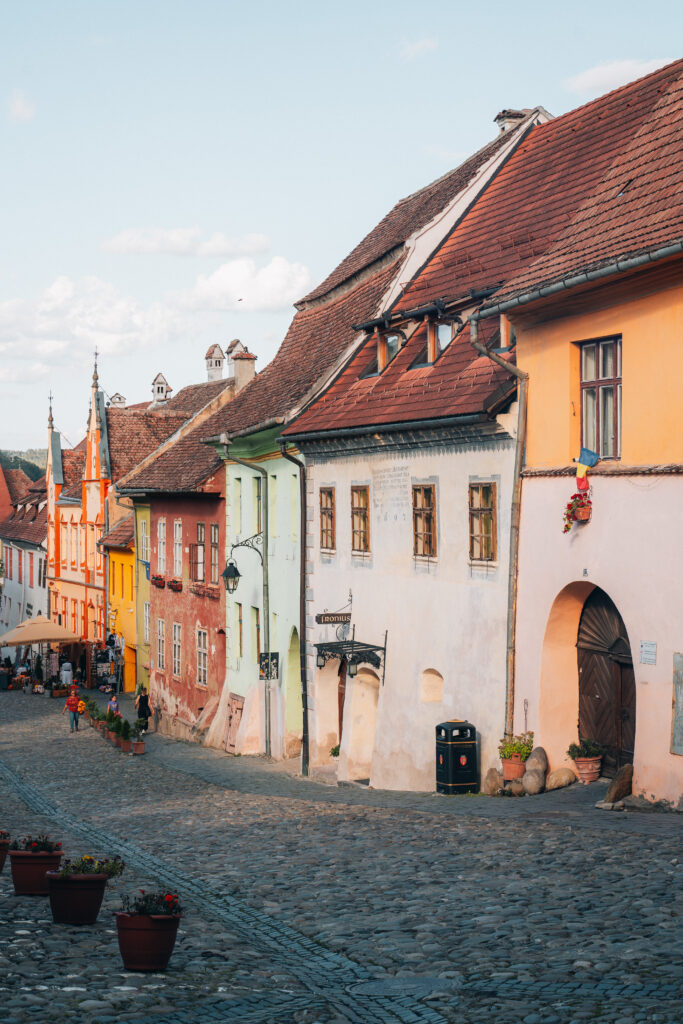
(677, 715)
(648, 652)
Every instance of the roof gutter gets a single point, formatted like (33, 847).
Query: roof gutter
(383, 428)
(588, 276)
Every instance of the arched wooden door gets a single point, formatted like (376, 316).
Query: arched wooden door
(607, 692)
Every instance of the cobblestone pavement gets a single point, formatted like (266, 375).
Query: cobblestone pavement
(308, 903)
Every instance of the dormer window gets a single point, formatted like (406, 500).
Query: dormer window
(389, 344)
(437, 338)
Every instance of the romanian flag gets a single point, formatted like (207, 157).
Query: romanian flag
(586, 460)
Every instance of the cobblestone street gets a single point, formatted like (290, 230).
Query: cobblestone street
(307, 902)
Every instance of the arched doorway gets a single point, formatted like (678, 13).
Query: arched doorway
(293, 702)
(607, 692)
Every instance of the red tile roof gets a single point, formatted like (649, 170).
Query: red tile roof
(17, 483)
(195, 396)
(122, 535)
(558, 173)
(407, 216)
(134, 434)
(73, 464)
(28, 524)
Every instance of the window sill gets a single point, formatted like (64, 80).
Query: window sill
(328, 551)
(483, 565)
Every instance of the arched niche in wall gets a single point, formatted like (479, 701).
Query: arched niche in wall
(431, 686)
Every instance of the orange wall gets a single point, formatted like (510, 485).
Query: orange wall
(652, 374)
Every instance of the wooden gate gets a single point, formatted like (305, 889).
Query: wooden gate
(235, 707)
(607, 692)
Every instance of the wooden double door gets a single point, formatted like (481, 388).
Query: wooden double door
(607, 692)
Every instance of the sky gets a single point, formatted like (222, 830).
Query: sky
(179, 173)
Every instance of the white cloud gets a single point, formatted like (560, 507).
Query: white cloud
(68, 319)
(23, 372)
(242, 286)
(185, 242)
(417, 48)
(20, 107)
(603, 78)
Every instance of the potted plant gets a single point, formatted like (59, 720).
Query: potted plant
(30, 858)
(138, 744)
(579, 510)
(4, 846)
(110, 718)
(147, 928)
(116, 729)
(513, 752)
(77, 888)
(126, 742)
(587, 756)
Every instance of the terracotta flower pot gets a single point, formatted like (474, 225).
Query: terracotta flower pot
(583, 514)
(138, 746)
(29, 870)
(513, 767)
(125, 746)
(588, 768)
(146, 941)
(4, 847)
(75, 899)
(111, 736)
(117, 740)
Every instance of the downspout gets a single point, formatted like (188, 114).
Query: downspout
(515, 513)
(266, 595)
(302, 603)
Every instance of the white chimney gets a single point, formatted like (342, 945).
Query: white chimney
(508, 119)
(214, 363)
(245, 369)
(160, 390)
(117, 401)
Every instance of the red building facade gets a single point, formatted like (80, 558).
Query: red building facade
(187, 606)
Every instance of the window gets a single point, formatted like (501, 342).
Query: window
(30, 568)
(176, 648)
(388, 348)
(256, 633)
(483, 522)
(256, 484)
(424, 521)
(601, 397)
(112, 581)
(237, 506)
(214, 552)
(20, 565)
(202, 652)
(239, 637)
(328, 526)
(74, 615)
(42, 566)
(9, 556)
(73, 540)
(197, 555)
(146, 622)
(161, 645)
(360, 519)
(178, 547)
(161, 546)
(144, 540)
(123, 592)
(62, 543)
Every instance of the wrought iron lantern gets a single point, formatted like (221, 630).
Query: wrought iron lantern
(231, 576)
(353, 668)
(320, 660)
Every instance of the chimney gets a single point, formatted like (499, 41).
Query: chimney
(117, 401)
(508, 119)
(160, 390)
(245, 369)
(214, 363)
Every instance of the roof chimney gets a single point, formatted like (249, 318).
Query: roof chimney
(117, 401)
(160, 390)
(214, 363)
(245, 369)
(508, 119)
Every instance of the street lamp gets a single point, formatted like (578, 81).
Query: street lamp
(353, 668)
(320, 660)
(231, 576)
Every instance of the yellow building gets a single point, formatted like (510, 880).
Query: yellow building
(142, 590)
(119, 545)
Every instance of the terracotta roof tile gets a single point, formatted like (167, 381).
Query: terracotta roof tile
(134, 434)
(29, 523)
(122, 535)
(17, 483)
(195, 396)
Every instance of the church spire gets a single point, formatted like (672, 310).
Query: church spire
(95, 378)
(50, 421)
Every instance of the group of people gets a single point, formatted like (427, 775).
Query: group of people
(75, 706)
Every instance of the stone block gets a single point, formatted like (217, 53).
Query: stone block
(620, 786)
(533, 781)
(559, 778)
(493, 782)
(538, 760)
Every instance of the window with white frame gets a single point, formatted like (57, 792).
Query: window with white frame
(161, 645)
(176, 648)
(197, 555)
(601, 397)
(144, 541)
(178, 547)
(146, 622)
(202, 653)
(161, 546)
(214, 553)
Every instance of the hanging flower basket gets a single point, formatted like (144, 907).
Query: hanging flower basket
(578, 510)
(158, 581)
(176, 585)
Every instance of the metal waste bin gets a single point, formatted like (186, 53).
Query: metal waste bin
(457, 769)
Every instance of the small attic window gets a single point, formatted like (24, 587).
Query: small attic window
(439, 337)
(372, 369)
(388, 347)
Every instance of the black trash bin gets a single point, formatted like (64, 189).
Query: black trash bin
(457, 769)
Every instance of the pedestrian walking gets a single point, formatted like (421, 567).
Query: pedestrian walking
(66, 674)
(72, 707)
(142, 705)
(113, 705)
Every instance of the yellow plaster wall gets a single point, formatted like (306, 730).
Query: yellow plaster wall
(142, 595)
(122, 617)
(652, 375)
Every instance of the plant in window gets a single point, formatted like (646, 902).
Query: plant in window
(578, 510)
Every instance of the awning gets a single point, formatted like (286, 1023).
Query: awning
(352, 650)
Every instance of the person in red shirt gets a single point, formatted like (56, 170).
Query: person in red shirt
(72, 707)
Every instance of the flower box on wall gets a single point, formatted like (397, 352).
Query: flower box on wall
(158, 581)
(176, 585)
(213, 593)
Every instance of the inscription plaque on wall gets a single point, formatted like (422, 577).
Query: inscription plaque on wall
(333, 618)
(677, 723)
(648, 652)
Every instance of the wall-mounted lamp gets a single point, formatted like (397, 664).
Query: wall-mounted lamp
(231, 576)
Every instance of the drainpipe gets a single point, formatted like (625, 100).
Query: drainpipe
(302, 603)
(515, 512)
(266, 595)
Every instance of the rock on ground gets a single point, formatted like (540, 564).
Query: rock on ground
(493, 781)
(533, 781)
(538, 760)
(559, 778)
(620, 786)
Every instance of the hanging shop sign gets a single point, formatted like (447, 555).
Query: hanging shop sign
(333, 618)
(269, 665)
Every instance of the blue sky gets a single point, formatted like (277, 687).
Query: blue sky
(178, 173)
